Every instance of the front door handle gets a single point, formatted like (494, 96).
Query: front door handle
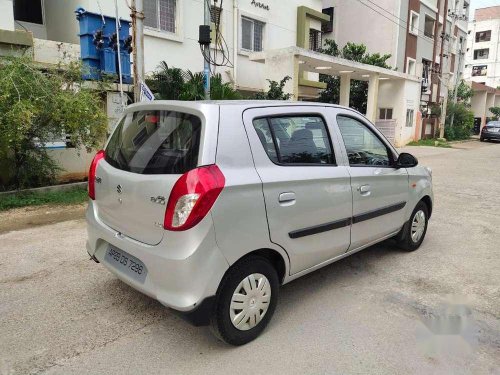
(364, 190)
(288, 197)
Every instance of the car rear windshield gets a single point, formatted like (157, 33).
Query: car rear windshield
(155, 142)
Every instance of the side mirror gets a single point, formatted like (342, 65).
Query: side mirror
(406, 160)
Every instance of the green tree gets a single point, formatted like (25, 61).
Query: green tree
(177, 84)
(167, 83)
(496, 112)
(463, 121)
(276, 90)
(37, 107)
(464, 92)
(359, 89)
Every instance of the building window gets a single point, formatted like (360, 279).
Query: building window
(29, 11)
(252, 34)
(479, 70)
(314, 40)
(160, 14)
(429, 26)
(385, 114)
(411, 66)
(480, 54)
(409, 118)
(327, 27)
(483, 36)
(414, 23)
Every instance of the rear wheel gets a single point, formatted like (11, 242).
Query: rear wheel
(246, 301)
(481, 139)
(414, 231)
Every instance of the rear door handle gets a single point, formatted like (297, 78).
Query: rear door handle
(288, 197)
(364, 190)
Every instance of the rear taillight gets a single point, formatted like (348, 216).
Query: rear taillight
(93, 166)
(192, 196)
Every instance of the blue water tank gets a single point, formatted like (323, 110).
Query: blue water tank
(103, 60)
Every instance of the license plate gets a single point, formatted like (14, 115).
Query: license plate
(127, 264)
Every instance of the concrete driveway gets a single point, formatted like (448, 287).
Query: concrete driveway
(381, 311)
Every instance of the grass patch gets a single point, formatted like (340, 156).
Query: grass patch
(429, 142)
(64, 197)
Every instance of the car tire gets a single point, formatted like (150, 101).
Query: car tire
(253, 285)
(481, 139)
(413, 232)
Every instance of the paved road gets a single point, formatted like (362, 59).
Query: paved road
(372, 313)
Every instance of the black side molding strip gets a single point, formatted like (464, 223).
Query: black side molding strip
(346, 222)
(320, 228)
(379, 212)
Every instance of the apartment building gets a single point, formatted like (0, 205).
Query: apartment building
(482, 58)
(171, 29)
(423, 37)
(265, 39)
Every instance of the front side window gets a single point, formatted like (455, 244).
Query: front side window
(155, 142)
(363, 147)
(252, 33)
(295, 140)
(160, 14)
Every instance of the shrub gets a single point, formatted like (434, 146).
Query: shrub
(177, 84)
(463, 122)
(37, 107)
(276, 90)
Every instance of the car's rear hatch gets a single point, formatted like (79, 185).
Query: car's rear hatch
(146, 154)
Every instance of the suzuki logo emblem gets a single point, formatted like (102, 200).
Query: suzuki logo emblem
(119, 189)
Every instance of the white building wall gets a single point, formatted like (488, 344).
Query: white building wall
(181, 50)
(6, 15)
(376, 28)
(492, 77)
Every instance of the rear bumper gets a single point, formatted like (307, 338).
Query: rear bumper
(184, 269)
(490, 135)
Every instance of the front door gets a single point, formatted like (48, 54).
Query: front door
(307, 196)
(380, 191)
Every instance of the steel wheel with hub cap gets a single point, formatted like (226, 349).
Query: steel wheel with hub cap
(246, 300)
(411, 236)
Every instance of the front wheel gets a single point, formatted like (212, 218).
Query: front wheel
(246, 301)
(414, 231)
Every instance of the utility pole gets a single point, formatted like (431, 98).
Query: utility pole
(206, 69)
(457, 81)
(117, 24)
(442, 118)
(138, 40)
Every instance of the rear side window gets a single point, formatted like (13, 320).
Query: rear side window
(295, 140)
(155, 142)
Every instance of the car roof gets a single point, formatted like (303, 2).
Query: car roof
(242, 103)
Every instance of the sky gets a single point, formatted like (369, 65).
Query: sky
(474, 4)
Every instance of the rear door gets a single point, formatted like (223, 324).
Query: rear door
(380, 191)
(148, 151)
(307, 195)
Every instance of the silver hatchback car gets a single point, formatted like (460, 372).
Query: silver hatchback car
(209, 206)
